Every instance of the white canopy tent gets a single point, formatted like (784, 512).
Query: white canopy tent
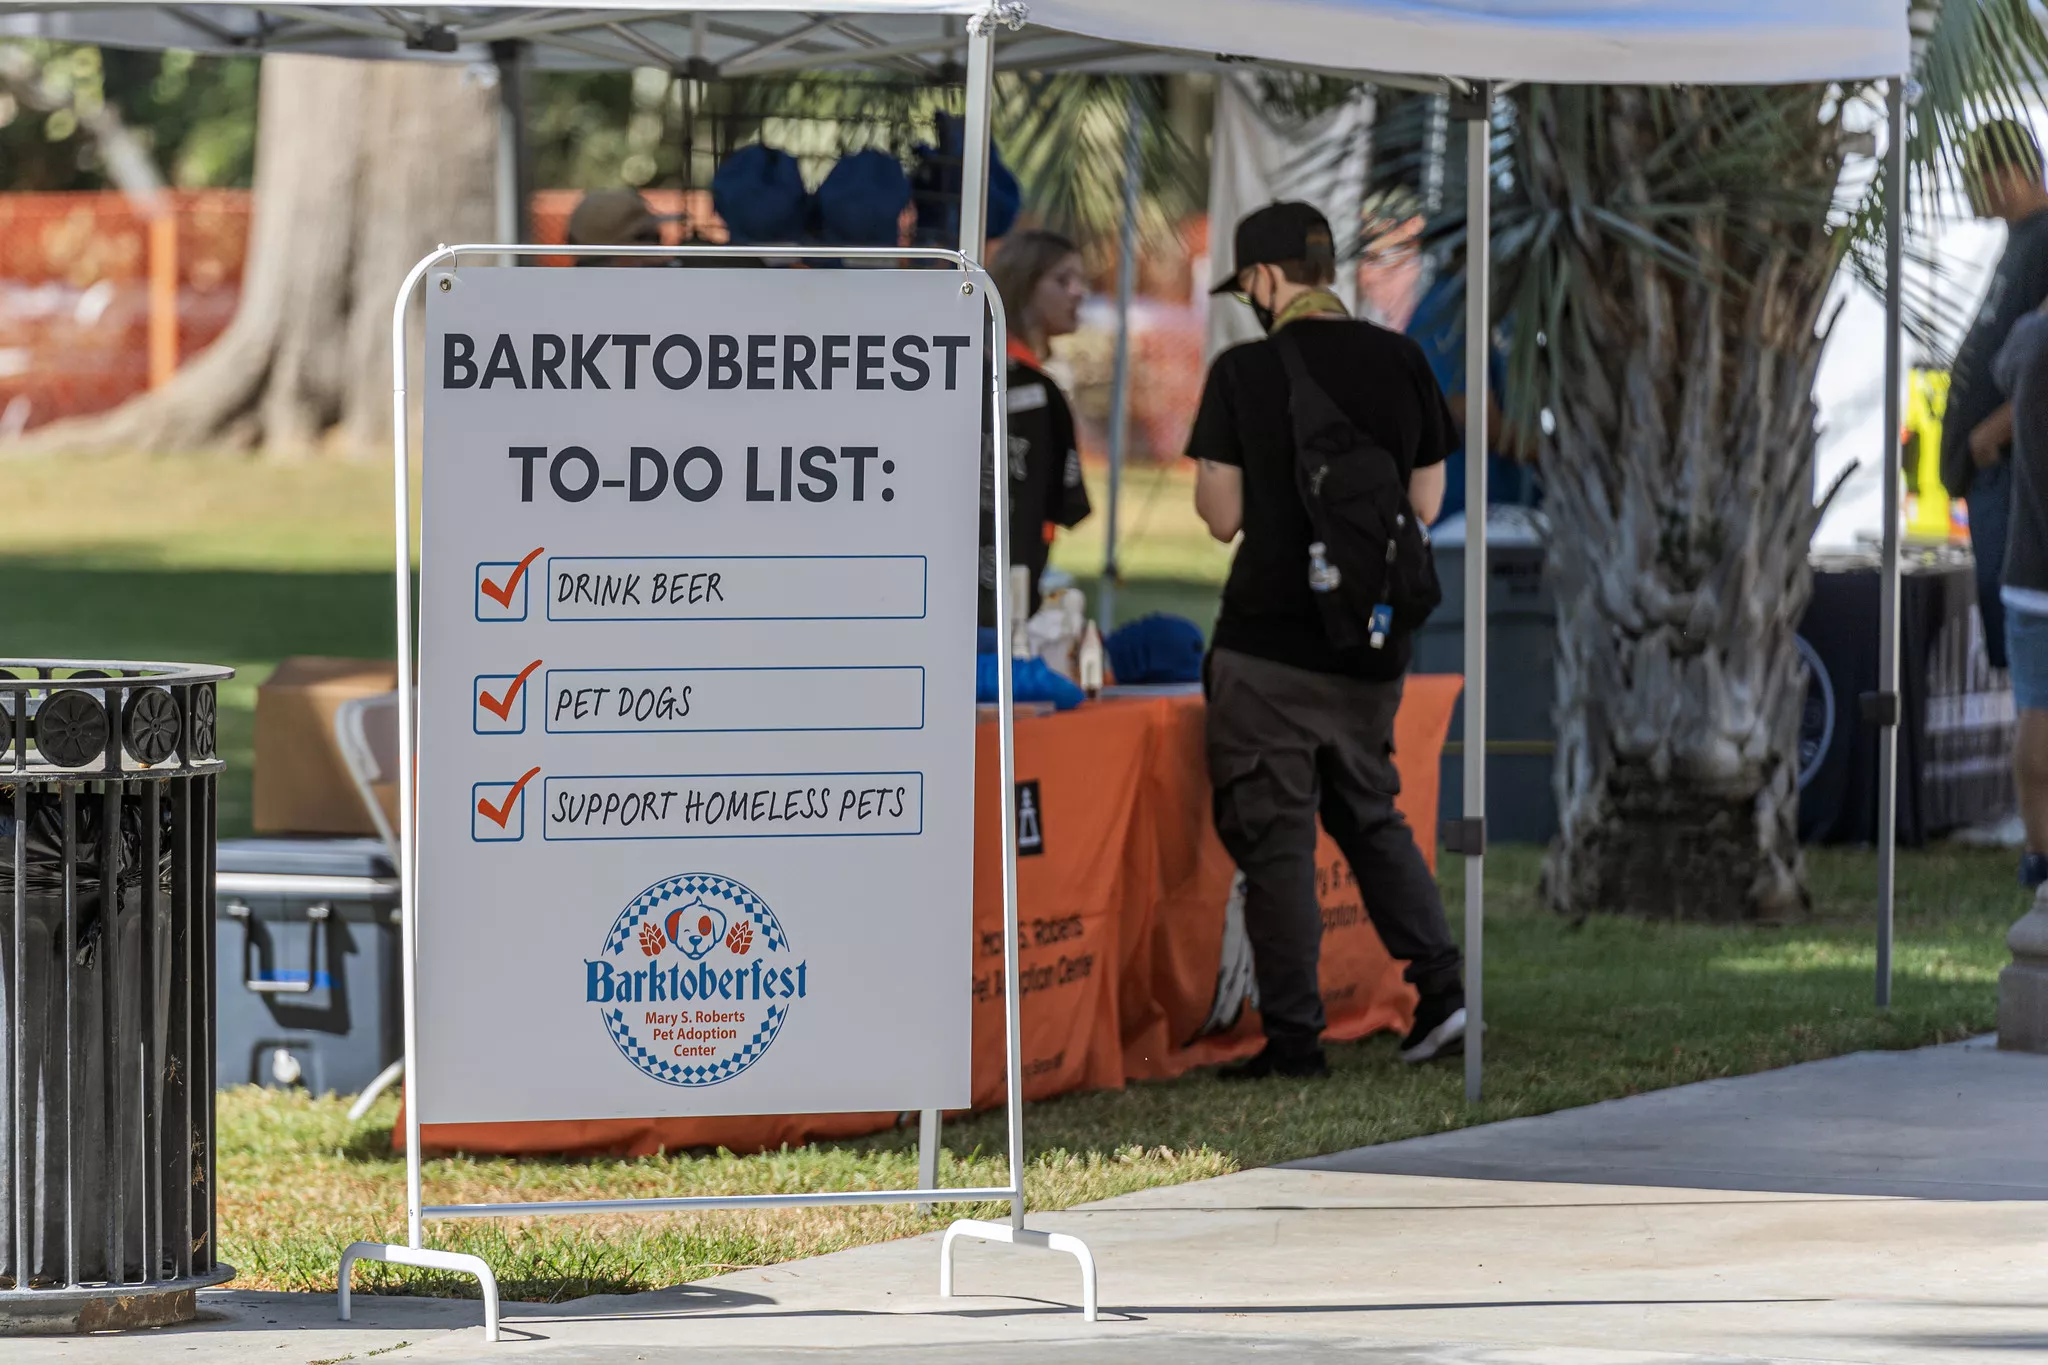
(1400, 41)
(1404, 43)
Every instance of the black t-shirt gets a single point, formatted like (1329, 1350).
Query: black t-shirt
(1045, 482)
(2017, 287)
(1382, 381)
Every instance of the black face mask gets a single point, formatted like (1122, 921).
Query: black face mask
(1262, 313)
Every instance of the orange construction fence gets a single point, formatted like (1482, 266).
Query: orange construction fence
(97, 301)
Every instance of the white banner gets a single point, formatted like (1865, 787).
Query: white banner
(696, 752)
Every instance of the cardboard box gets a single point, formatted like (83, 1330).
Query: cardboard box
(302, 784)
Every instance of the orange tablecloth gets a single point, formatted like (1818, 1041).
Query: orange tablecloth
(1122, 925)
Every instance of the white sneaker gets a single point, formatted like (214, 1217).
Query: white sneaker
(1427, 1041)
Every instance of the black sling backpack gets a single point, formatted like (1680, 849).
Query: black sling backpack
(1370, 566)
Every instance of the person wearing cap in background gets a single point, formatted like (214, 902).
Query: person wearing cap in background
(1298, 728)
(1042, 281)
(614, 218)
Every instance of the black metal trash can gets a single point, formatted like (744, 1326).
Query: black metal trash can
(107, 796)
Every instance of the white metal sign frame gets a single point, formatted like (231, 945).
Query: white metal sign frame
(415, 1252)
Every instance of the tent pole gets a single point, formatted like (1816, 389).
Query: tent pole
(976, 158)
(1478, 339)
(981, 95)
(1888, 590)
(974, 155)
(510, 199)
(1120, 386)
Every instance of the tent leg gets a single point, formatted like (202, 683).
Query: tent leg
(1478, 283)
(1120, 386)
(975, 158)
(974, 149)
(1888, 592)
(510, 198)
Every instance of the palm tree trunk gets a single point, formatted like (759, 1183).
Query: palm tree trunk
(1680, 488)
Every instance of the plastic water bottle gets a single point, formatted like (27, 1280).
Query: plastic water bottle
(1088, 661)
(1323, 576)
(1020, 612)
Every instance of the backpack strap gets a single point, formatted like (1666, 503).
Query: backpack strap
(1309, 404)
(1298, 378)
(1310, 413)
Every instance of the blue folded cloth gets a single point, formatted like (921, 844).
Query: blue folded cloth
(861, 200)
(1156, 649)
(1030, 680)
(759, 193)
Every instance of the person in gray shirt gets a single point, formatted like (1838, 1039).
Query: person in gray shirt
(2002, 172)
(2021, 373)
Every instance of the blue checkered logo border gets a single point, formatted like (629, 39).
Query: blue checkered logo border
(655, 902)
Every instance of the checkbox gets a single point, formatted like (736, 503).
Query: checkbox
(488, 607)
(498, 704)
(501, 588)
(497, 810)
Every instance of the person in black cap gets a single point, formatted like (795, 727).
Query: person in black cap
(1298, 727)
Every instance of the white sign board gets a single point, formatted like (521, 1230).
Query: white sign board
(696, 756)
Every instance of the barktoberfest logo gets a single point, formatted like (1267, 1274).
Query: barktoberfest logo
(696, 979)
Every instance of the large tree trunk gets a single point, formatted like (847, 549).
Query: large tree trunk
(1680, 488)
(361, 169)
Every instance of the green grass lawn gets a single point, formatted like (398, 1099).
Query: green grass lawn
(229, 561)
(1576, 1014)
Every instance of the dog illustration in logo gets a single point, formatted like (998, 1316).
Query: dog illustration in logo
(696, 928)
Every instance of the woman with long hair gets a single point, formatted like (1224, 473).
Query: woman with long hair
(1042, 282)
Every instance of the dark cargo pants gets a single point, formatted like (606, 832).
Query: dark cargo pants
(1286, 745)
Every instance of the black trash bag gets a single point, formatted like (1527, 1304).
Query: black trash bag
(44, 835)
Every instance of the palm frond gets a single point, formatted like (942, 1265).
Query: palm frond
(1975, 60)
(1699, 182)
(1065, 136)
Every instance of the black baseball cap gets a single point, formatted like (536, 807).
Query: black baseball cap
(1277, 233)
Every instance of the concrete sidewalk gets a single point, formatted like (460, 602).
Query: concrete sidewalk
(1885, 1207)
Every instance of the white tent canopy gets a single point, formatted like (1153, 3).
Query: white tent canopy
(1648, 41)
(1579, 41)
(1451, 45)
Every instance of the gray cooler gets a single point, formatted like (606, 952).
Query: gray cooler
(1521, 674)
(307, 959)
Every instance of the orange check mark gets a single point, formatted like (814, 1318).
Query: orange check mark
(503, 709)
(499, 814)
(503, 596)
